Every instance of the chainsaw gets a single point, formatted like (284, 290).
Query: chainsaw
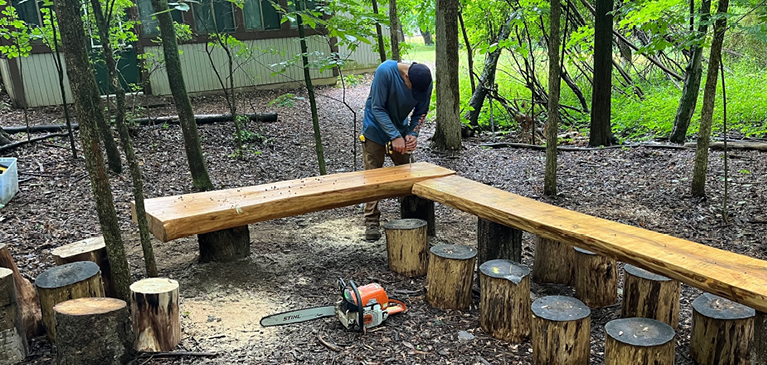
(359, 308)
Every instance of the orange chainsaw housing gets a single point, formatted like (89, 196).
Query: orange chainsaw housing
(372, 294)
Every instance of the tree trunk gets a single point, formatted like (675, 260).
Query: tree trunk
(58, 284)
(600, 131)
(312, 101)
(394, 30)
(195, 158)
(691, 82)
(154, 313)
(487, 80)
(469, 52)
(13, 338)
(447, 136)
(504, 304)
(427, 39)
(639, 341)
(552, 125)
(560, 331)
(88, 109)
(138, 184)
(407, 246)
(496, 241)
(709, 96)
(60, 71)
(721, 331)
(26, 296)
(379, 34)
(93, 331)
(449, 276)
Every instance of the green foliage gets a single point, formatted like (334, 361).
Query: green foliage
(350, 80)
(14, 30)
(285, 100)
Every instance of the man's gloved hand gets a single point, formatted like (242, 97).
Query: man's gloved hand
(398, 144)
(411, 142)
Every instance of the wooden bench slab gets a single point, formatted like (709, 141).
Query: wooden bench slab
(736, 277)
(178, 216)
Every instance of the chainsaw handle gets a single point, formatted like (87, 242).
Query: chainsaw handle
(396, 306)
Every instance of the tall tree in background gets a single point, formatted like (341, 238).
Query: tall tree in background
(692, 79)
(224, 245)
(447, 135)
(88, 108)
(103, 23)
(379, 34)
(487, 80)
(394, 27)
(552, 125)
(194, 156)
(709, 96)
(310, 89)
(601, 131)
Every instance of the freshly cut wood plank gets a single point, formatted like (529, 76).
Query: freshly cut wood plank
(178, 216)
(736, 277)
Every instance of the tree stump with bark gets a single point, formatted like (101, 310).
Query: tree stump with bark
(596, 279)
(225, 245)
(93, 331)
(407, 246)
(721, 331)
(561, 330)
(416, 207)
(80, 279)
(26, 296)
(553, 262)
(449, 276)
(496, 241)
(638, 341)
(504, 305)
(154, 310)
(91, 249)
(650, 295)
(13, 337)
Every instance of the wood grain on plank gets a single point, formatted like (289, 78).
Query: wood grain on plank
(736, 277)
(178, 216)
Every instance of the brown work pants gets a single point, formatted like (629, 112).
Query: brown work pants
(373, 155)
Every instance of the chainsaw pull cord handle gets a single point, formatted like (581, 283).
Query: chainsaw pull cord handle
(360, 307)
(398, 307)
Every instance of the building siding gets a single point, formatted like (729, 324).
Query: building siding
(5, 74)
(41, 80)
(255, 70)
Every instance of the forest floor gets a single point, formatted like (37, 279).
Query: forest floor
(295, 261)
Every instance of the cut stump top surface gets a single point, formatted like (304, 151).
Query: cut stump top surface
(67, 274)
(154, 286)
(454, 252)
(76, 248)
(560, 308)
(716, 307)
(642, 332)
(644, 274)
(505, 269)
(5, 272)
(406, 223)
(89, 306)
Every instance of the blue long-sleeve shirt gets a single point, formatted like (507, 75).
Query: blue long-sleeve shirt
(388, 106)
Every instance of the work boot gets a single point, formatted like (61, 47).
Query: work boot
(372, 233)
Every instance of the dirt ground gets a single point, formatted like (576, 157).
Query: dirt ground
(295, 261)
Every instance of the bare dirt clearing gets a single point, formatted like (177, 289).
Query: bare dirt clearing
(295, 261)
